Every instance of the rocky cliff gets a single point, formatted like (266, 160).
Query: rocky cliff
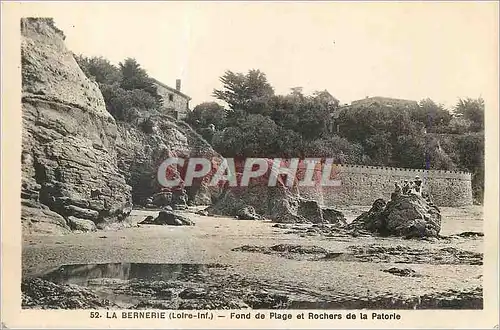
(143, 147)
(69, 160)
(80, 168)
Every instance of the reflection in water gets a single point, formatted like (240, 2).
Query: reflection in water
(197, 286)
(81, 274)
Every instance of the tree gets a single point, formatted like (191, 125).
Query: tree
(379, 148)
(297, 91)
(471, 150)
(409, 151)
(120, 102)
(326, 98)
(249, 92)
(473, 110)
(288, 144)
(339, 149)
(459, 125)
(207, 113)
(431, 115)
(99, 69)
(135, 77)
(251, 139)
(307, 115)
(127, 90)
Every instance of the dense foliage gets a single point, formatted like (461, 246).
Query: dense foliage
(259, 123)
(127, 89)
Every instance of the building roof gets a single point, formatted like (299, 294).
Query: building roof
(173, 90)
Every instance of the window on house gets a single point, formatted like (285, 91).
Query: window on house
(171, 97)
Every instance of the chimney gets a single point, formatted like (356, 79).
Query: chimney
(178, 85)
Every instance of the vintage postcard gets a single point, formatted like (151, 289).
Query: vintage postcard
(250, 164)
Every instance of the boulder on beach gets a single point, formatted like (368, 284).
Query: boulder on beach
(84, 225)
(310, 210)
(169, 218)
(247, 213)
(372, 219)
(332, 216)
(405, 215)
(38, 218)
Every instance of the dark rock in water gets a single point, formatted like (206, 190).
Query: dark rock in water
(333, 216)
(407, 215)
(172, 219)
(38, 293)
(404, 272)
(247, 213)
(81, 224)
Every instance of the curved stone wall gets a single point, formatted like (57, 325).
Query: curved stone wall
(361, 185)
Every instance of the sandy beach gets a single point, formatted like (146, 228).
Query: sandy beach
(309, 278)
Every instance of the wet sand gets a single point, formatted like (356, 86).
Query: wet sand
(217, 241)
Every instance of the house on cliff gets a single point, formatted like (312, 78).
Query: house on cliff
(174, 102)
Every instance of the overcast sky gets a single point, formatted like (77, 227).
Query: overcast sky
(406, 50)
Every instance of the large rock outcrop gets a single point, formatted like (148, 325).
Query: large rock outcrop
(69, 161)
(404, 215)
(142, 148)
(279, 203)
(78, 163)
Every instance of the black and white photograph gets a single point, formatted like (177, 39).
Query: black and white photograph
(201, 156)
